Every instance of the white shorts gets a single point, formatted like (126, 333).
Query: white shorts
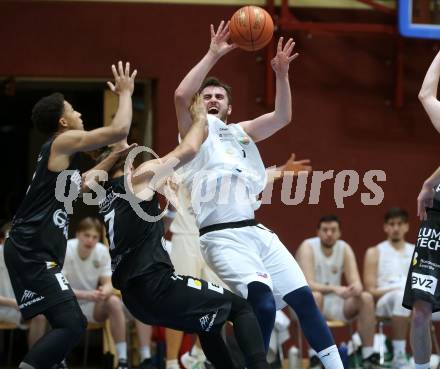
(187, 259)
(88, 307)
(10, 315)
(240, 256)
(333, 307)
(390, 305)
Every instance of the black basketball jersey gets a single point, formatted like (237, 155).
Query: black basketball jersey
(40, 226)
(137, 247)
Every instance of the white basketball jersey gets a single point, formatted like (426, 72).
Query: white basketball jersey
(185, 221)
(328, 269)
(393, 265)
(227, 155)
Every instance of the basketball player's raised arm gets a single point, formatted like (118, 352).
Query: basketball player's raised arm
(92, 176)
(306, 261)
(190, 85)
(266, 125)
(426, 195)
(428, 92)
(74, 141)
(151, 173)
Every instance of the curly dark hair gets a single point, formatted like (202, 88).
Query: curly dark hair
(47, 112)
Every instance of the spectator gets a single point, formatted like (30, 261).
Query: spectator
(385, 269)
(324, 260)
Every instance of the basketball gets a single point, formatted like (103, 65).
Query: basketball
(251, 28)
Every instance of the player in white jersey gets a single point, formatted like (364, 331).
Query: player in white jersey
(187, 258)
(325, 259)
(225, 177)
(87, 267)
(9, 311)
(386, 266)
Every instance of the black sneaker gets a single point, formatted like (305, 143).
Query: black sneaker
(61, 365)
(315, 363)
(146, 364)
(122, 364)
(372, 362)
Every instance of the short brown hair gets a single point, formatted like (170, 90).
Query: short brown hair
(89, 223)
(214, 81)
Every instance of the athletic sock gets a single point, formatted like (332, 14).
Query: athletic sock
(144, 352)
(399, 347)
(121, 349)
(330, 358)
(367, 351)
(422, 366)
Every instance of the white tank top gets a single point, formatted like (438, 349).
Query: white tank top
(185, 221)
(328, 269)
(228, 162)
(393, 265)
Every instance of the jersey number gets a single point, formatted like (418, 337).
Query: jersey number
(110, 217)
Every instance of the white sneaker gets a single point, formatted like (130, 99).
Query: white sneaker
(400, 361)
(192, 362)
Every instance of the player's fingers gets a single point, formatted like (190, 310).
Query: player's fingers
(293, 57)
(290, 49)
(232, 47)
(304, 161)
(220, 27)
(134, 74)
(111, 86)
(212, 30)
(225, 31)
(127, 69)
(120, 69)
(287, 45)
(115, 73)
(280, 44)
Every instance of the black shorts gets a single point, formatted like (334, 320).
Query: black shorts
(178, 302)
(423, 278)
(38, 285)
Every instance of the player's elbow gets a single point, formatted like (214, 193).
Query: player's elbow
(180, 96)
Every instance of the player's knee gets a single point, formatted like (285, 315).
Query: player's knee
(367, 299)
(421, 314)
(302, 297)
(114, 303)
(261, 298)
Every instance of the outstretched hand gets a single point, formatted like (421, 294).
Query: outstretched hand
(219, 40)
(124, 82)
(296, 166)
(280, 63)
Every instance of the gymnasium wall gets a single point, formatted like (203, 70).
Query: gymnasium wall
(342, 95)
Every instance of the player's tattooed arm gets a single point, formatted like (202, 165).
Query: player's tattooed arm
(190, 85)
(73, 141)
(266, 125)
(428, 92)
(153, 173)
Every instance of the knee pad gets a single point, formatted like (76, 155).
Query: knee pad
(261, 298)
(301, 299)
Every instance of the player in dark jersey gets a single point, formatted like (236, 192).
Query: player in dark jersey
(142, 268)
(35, 249)
(422, 290)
